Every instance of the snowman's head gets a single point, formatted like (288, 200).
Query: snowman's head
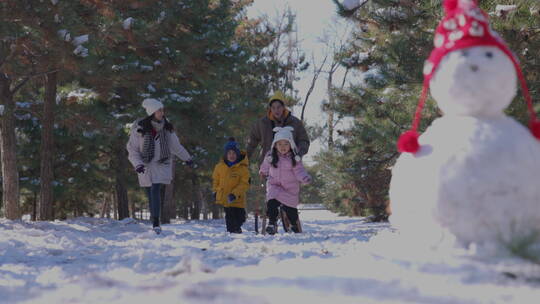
(477, 81)
(471, 70)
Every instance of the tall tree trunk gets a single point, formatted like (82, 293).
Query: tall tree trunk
(105, 207)
(75, 209)
(168, 211)
(132, 209)
(110, 205)
(34, 206)
(196, 210)
(204, 205)
(121, 199)
(120, 186)
(8, 147)
(45, 210)
(180, 191)
(61, 210)
(216, 213)
(114, 204)
(214, 208)
(183, 210)
(331, 104)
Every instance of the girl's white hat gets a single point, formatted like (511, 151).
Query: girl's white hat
(151, 105)
(286, 133)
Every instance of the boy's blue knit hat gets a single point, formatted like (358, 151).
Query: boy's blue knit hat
(232, 145)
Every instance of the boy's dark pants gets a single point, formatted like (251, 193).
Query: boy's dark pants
(272, 211)
(234, 218)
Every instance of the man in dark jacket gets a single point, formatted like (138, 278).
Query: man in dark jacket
(278, 116)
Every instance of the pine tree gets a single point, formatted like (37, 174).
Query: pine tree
(43, 51)
(389, 42)
(518, 24)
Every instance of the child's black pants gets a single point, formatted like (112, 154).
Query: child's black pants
(272, 211)
(234, 219)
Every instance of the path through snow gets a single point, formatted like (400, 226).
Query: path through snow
(336, 260)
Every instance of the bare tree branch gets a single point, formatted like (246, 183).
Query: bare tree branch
(316, 72)
(336, 42)
(337, 121)
(344, 78)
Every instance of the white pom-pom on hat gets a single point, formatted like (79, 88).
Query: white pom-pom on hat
(151, 105)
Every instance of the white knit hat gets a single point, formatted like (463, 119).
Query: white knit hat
(285, 133)
(151, 105)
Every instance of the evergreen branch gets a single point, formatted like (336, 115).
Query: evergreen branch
(27, 78)
(2, 62)
(393, 121)
(382, 161)
(20, 85)
(28, 111)
(8, 57)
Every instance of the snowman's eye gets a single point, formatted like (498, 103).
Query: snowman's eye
(489, 55)
(465, 53)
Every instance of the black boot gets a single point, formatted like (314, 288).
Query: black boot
(155, 225)
(271, 228)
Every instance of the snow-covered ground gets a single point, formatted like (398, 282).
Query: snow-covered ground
(336, 260)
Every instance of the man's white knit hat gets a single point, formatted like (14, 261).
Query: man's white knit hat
(151, 105)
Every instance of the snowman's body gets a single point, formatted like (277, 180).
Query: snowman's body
(477, 173)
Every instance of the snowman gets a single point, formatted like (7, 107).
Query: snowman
(474, 174)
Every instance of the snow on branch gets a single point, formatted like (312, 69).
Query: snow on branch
(352, 4)
(80, 40)
(503, 9)
(81, 51)
(128, 23)
(64, 34)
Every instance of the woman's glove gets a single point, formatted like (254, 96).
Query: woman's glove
(140, 169)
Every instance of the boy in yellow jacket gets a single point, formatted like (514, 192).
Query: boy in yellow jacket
(230, 184)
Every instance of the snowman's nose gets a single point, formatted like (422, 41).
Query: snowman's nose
(474, 67)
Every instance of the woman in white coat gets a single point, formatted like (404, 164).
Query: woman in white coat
(152, 142)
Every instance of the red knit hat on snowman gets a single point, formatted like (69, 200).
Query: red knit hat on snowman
(465, 25)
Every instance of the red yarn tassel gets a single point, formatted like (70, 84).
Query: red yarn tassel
(408, 142)
(534, 126)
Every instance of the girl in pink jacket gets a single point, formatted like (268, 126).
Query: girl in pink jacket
(284, 172)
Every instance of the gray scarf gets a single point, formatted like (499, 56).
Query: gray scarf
(149, 143)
